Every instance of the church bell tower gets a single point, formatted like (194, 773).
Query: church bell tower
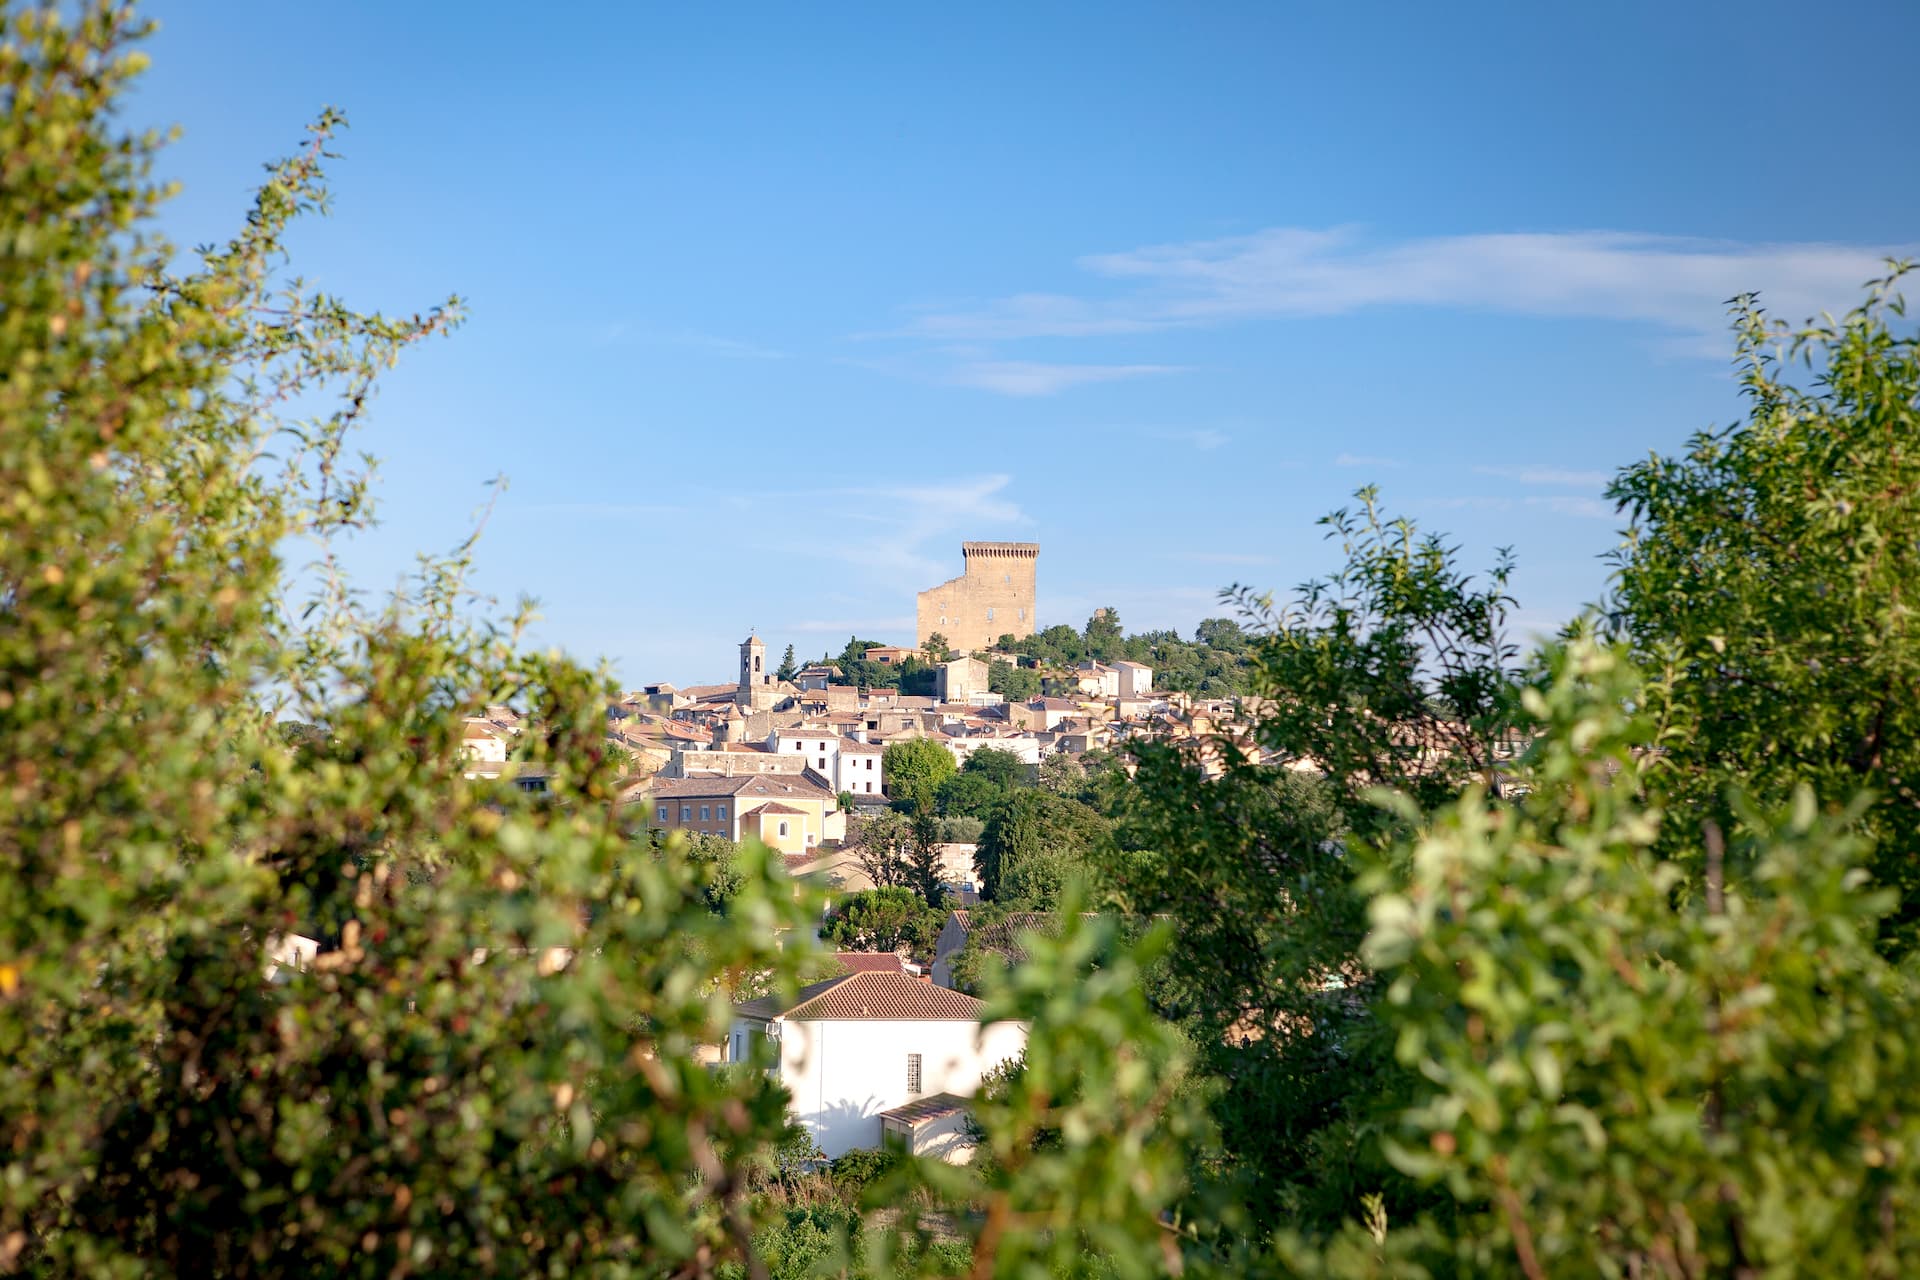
(755, 689)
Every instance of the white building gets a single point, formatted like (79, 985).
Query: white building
(860, 771)
(851, 1048)
(1097, 679)
(820, 748)
(1023, 747)
(484, 741)
(1135, 678)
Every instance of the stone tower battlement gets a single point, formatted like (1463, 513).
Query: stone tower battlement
(993, 598)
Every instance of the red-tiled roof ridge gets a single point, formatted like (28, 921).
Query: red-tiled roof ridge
(868, 997)
(871, 961)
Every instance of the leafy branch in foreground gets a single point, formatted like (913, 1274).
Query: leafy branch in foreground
(490, 1068)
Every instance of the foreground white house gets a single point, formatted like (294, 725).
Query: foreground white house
(849, 1049)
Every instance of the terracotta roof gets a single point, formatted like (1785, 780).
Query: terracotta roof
(708, 690)
(868, 996)
(871, 961)
(777, 807)
(751, 786)
(1003, 934)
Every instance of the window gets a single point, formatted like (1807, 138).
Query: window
(706, 811)
(869, 762)
(799, 746)
(869, 786)
(913, 1073)
(783, 826)
(686, 813)
(723, 813)
(1022, 614)
(663, 813)
(989, 615)
(823, 762)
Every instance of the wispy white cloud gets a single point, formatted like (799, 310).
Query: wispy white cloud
(1549, 476)
(1031, 378)
(1363, 460)
(1675, 282)
(1566, 505)
(900, 525)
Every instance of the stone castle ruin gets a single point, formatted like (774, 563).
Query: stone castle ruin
(993, 598)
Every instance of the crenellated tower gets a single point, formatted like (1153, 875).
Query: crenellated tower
(993, 598)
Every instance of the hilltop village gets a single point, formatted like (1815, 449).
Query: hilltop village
(950, 774)
(785, 753)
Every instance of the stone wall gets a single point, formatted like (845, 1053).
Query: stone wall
(993, 598)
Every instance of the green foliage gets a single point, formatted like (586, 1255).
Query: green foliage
(972, 795)
(857, 671)
(1033, 844)
(1104, 641)
(1395, 672)
(856, 1170)
(911, 772)
(937, 648)
(919, 679)
(1016, 684)
(961, 830)
(1063, 774)
(982, 786)
(892, 919)
(1764, 582)
(1085, 1163)
(404, 1105)
(1002, 768)
(880, 845)
(1198, 667)
(722, 874)
(788, 668)
(1615, 1084)
(923, 860)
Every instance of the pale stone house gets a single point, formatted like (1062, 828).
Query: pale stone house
(807, 813)
(851, 1049)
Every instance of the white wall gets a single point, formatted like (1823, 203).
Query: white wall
(946, 1138)
(490, 747)
(842, 1075)
(858, 772)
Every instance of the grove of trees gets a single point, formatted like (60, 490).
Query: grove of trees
(1595, 959)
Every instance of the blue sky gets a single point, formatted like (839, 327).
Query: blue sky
(773, 305)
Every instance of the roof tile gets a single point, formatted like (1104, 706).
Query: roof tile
(868, 997)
